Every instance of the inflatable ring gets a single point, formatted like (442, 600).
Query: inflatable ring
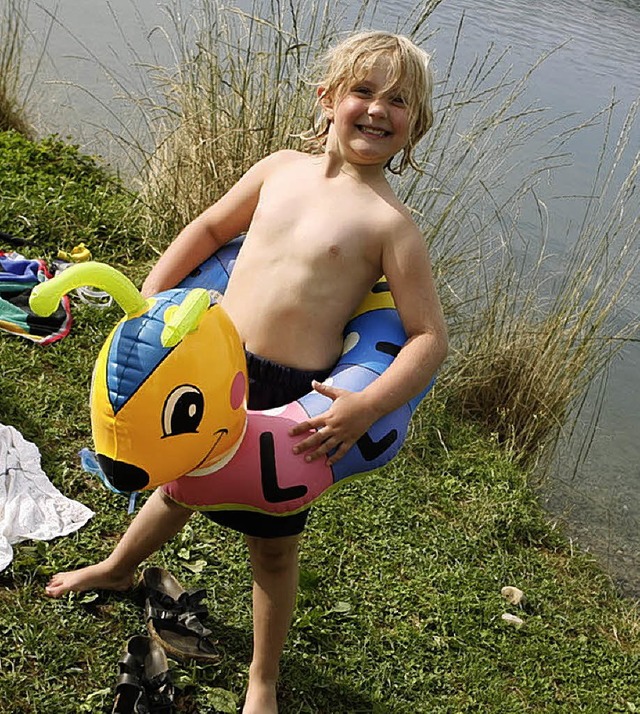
(169, 388)
(264, 474)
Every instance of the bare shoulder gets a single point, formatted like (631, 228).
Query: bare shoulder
(400, 231)
(263, 170)
(284, 157)
(407, 267)
(291, 155)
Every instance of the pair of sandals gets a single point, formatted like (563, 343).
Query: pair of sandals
(175, 622)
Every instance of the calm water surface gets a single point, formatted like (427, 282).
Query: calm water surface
(598, 55)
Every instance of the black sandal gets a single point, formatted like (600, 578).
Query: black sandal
(175, 617)
(144, 685)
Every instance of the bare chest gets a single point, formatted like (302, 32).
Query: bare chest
(319, 225)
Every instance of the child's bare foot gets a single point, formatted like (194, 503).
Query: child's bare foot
(93, 577)
(260, 698)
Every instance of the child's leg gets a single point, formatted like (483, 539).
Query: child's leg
(157, 521)
(275, 583)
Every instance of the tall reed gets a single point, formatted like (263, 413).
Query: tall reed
(528, 342)
(240, 89)
(12, 107)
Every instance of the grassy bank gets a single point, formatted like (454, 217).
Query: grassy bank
(400, 606)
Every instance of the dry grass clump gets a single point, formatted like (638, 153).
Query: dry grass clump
(535, 342)
(522, 381)
(12, 110)
(241, 88)
(237, 93)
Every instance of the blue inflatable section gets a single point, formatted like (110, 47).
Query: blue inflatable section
(135, 350)
(214, 273)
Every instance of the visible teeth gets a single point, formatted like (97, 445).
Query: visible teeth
(371, 130)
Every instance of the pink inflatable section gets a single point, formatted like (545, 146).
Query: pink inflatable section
(287, 483)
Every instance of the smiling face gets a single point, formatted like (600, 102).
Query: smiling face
(369, 118)
(407, 73)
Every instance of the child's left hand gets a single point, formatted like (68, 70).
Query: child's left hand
(346, 420)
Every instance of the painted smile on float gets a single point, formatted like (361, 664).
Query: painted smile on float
(217, 436)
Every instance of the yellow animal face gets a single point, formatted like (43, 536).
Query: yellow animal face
(159, 412)
(169, 386)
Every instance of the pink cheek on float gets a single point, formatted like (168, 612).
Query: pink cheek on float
(238, 388)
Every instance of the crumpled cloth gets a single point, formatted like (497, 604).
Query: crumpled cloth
(31, 507)
(18, 277)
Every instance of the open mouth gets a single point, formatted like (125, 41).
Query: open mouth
(372, 131)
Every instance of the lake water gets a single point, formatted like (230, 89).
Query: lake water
(598, 45)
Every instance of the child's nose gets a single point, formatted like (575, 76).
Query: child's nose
(378, 107)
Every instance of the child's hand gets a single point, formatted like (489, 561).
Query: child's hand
(346, 420)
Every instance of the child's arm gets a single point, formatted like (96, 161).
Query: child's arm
(407, 267)
(224, 220)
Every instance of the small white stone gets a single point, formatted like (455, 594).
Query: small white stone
(513, 595)
(512, 619)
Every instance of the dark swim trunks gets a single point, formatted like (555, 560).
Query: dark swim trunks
(270, 385)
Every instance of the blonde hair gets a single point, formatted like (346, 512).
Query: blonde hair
(409, 74)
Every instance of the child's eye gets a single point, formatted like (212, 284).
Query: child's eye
(363, 91)
(398, 101)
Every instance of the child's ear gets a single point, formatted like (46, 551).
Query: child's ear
(326, 102)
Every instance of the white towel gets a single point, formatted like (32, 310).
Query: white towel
(30, 505)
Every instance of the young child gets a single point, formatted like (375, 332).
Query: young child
(321, 229)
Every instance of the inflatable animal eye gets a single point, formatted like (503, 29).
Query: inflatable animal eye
(183, 410)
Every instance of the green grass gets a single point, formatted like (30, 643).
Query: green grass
(53, 197)
(400, 605)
